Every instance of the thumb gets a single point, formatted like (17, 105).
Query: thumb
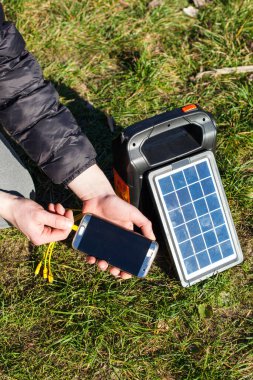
(143, 223)
(55, 221)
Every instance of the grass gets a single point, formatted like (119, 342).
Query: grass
(133, 62)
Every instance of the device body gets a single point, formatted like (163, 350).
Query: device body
(157, 141)
(162, 147)
(125, 249)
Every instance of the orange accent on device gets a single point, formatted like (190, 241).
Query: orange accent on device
(121, 188)
(189, 107)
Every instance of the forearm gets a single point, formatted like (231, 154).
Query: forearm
(6, 205)
(47, 130)
(92, 183)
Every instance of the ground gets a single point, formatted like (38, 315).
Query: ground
(131, 61)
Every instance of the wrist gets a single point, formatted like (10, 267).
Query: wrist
(7, 206)
(92, 183)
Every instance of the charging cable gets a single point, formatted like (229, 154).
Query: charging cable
(47, 255)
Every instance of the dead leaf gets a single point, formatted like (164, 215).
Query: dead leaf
(200, 3)
(124, 4)
(190, 11)
(154, 4)
(162, 327)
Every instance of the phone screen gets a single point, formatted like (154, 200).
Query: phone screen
(120, 247)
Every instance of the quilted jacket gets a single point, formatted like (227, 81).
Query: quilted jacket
(31, 114)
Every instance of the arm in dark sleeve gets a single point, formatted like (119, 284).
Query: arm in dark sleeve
(31, 114)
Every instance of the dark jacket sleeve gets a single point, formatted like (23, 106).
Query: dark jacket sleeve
(31, 114)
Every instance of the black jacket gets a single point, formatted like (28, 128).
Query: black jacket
(31, 114)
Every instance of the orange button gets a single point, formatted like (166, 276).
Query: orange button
(189, 107)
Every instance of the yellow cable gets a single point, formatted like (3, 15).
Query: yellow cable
(45, 270)
(37, 270)
(47, 255)
(50, 275)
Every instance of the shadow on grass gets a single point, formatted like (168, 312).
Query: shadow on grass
(94, 123)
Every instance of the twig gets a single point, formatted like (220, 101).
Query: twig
(155, 3)
(226, 70)
(124, 4)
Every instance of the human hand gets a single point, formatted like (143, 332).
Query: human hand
(39, 225)
(99, 198)
(114, 209)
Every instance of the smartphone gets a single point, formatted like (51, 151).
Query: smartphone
(122, 248)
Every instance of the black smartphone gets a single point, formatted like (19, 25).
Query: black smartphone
(122, 248)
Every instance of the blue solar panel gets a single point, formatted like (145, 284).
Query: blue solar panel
(195, 214)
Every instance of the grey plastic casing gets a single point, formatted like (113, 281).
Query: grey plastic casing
(130, 161)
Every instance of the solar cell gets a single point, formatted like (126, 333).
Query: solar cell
(191, 203)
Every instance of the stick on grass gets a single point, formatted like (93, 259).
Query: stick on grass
(226, 70)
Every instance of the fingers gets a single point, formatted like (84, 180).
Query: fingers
(51, 207)
(56, 208)
(147, 230)
(53, 220)
(56, 224)
(103, 266)
(69, 214)
(48, 235)
(90, 260)
(115, 271)
(143, 223)
(59, 209)
(125, 275)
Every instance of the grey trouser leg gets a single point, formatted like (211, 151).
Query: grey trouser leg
(14, 177)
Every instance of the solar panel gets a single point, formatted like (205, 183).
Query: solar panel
(195, 216)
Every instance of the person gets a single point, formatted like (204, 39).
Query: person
(30, 113)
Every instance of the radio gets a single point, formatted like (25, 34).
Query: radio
(166, 163)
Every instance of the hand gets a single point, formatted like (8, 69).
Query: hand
(99, 198)
(114, 209)
(39, 225)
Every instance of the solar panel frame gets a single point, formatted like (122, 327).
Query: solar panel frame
(177, 184)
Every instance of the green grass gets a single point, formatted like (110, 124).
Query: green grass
(133, 62)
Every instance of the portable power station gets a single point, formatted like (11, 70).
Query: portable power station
(167, 163)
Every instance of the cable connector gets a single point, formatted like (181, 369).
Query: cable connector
(50, 278)
(37, 270)
(45, 272)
